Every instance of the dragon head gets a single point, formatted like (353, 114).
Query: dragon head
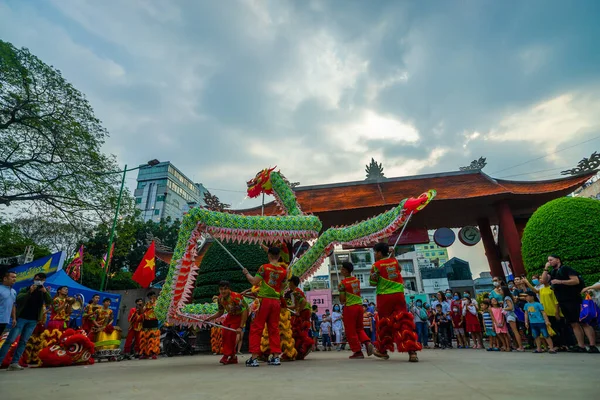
(73, 348)
(261, 183)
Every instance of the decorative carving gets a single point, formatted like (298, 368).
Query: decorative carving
(157, 243)
(374, 171)
(476, 165)
(586, 164)
(213, 203)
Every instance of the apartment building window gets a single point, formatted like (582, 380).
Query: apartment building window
(360, 278)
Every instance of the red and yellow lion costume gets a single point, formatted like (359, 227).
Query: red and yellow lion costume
(73, 348)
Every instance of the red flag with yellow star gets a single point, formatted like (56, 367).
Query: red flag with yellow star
(145, 272)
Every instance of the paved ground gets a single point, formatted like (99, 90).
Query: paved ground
(448, 374)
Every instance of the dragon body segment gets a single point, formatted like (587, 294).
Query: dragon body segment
(173, 302)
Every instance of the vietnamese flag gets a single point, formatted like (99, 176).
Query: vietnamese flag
(145, 272)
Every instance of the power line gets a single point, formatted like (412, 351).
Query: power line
(542, 157)
(531, 173)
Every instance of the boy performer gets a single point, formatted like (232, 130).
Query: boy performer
(300, 320)
(136, 320)
(353, 312)
(150, 335)
(89, 315)
(236, 308)
(396, 324)
(270, 278)
(60, 310)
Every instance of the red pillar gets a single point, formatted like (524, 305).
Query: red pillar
(491, 251)
(509, 231)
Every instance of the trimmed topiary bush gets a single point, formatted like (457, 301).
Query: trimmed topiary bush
(570, 228)
(217, 265)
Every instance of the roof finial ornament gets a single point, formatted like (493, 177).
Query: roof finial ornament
(476, 165)
(586, 164)
(374, 171)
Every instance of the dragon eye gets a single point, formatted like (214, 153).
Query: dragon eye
(75, 348)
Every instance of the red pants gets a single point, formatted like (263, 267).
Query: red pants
(267, 313)
(300, 327)
(353, 324)
(395, 325)
(229, 337)
(132, 336)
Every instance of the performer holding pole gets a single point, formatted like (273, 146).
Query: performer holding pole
(270, 278)
(395, 324)
(150, 335)
(349, 289)
(236, 308)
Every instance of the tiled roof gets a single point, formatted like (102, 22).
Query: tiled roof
(450, 186)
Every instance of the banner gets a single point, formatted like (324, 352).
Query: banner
(47, 265)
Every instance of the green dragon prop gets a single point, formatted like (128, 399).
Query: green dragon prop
(173, 302)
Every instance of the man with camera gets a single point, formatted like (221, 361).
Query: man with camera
(31, 302)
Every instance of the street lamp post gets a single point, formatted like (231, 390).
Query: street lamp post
(151, 163)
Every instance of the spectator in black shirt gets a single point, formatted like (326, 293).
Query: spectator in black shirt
(567, 285)
(30, 311)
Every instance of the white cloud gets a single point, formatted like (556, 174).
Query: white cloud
(551, 122)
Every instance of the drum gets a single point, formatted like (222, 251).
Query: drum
(105, 341)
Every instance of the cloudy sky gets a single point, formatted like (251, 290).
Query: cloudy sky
(225, 88)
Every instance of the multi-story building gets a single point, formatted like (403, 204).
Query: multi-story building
(484, 283)
(164, 191)
(436, 255)
(363, 260)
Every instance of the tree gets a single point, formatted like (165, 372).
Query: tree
(217, 265)
(374, 171)
(53, 233)
(13, 243)
(213, 203)
(50, 141)
(131, 243)
(568, 227)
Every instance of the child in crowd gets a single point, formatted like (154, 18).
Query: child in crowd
(537, 322)
(457, 324)
(500, 327)
(367, 320)
(326, 333)
(442, 325)
(473, 327)
(489, 322)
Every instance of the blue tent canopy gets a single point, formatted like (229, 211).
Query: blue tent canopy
(60, 278)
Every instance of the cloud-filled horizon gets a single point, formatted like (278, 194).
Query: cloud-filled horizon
(318, 88)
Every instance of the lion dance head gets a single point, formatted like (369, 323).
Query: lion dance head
(261, 183)
(73, 348)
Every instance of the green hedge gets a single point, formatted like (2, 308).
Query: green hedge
(568, 227)
(217, 265)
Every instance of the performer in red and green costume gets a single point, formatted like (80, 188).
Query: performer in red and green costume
(300, 320)
(236, 308)
(270, 278)
(60, 310)
(349, 289)
(396, 324)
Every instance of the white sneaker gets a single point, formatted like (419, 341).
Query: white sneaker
(15, 367)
